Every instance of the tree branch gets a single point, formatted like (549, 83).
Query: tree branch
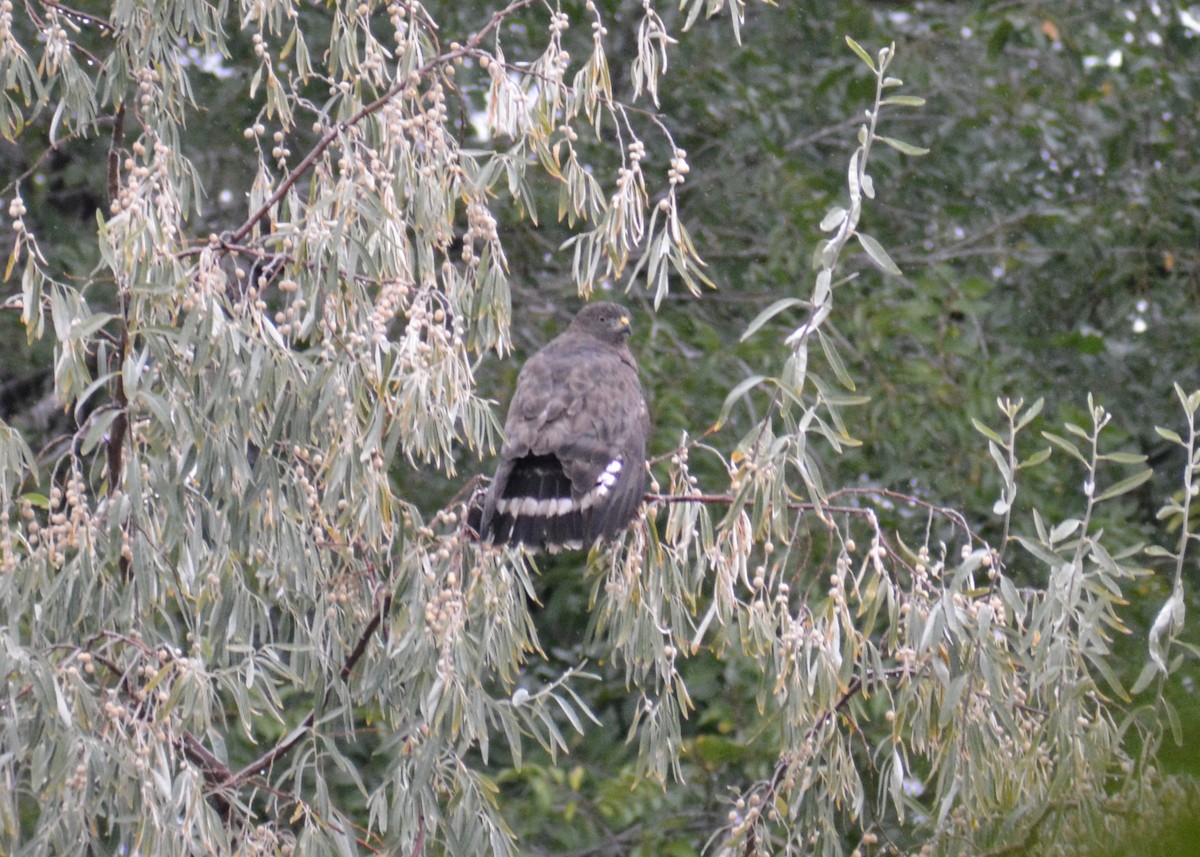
(785, 763)
(952, 515)
(269, 758)
(115, 445)
(472, 44)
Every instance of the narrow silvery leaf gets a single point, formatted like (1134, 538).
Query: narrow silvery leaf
(903, 147)
(833, 219)
(878, 255)
(1169, 619)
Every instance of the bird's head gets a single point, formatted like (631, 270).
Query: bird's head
(603, 320)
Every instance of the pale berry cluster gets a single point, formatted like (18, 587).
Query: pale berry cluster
(279, 151)
(8, 553)
(343, 593)
(289, 320)
(398, 14)
(208, 282)
(445, 617)
(148, 88)
(69, 525)
(6, 18)
(599, 31)
(677, 174)
(260, 48)
(481, 226)
(388, 304)
(427, 337)
(16, 210)
(146, 193)
(58, 47)
(145, 725)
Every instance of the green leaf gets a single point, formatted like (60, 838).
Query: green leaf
(986, 432)
(737, 393)
(835, 362)
(1173, 719)
(1035, 459)
(92, 324)
(1001, 460)
(1028, 416)
(1051, 559)
(1125, 485)
(98, 429)
(1099, 662)
(862, 54)
(878, 255)
(1148, 674)
(904, 100)
(1123, 457)
(1065, 445)
(818, 254)
(38, 501)
(1190, 401)
(81, 403)
(569, 712)
(834, 218)
(1064, 529)
(951, 698)
(1167, 434)
(1170, 508)
(902, 147)
(769, 313)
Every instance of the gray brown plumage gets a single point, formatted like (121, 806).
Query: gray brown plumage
(572, 470)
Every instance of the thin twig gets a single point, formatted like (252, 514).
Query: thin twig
(951, 515)
(81, 16)
(269, 758)
(419, 842)
(727, 499)
(333, 133)
(115, 446)
(783, 766)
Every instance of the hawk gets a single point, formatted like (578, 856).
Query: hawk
(572, 471)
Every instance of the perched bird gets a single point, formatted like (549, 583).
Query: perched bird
(572, 470)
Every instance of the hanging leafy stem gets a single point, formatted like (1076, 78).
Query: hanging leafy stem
(1178, 510)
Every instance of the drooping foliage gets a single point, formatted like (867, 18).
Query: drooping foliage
(239, 612)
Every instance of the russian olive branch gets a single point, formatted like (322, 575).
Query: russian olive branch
(221, 778)
(952, 515)
(231, 244)
(115, 445)
(327, 139)
(785, 764)
(217, 773)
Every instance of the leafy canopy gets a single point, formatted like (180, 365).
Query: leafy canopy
(238, 609)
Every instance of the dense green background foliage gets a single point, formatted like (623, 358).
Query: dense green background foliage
(244, 390)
